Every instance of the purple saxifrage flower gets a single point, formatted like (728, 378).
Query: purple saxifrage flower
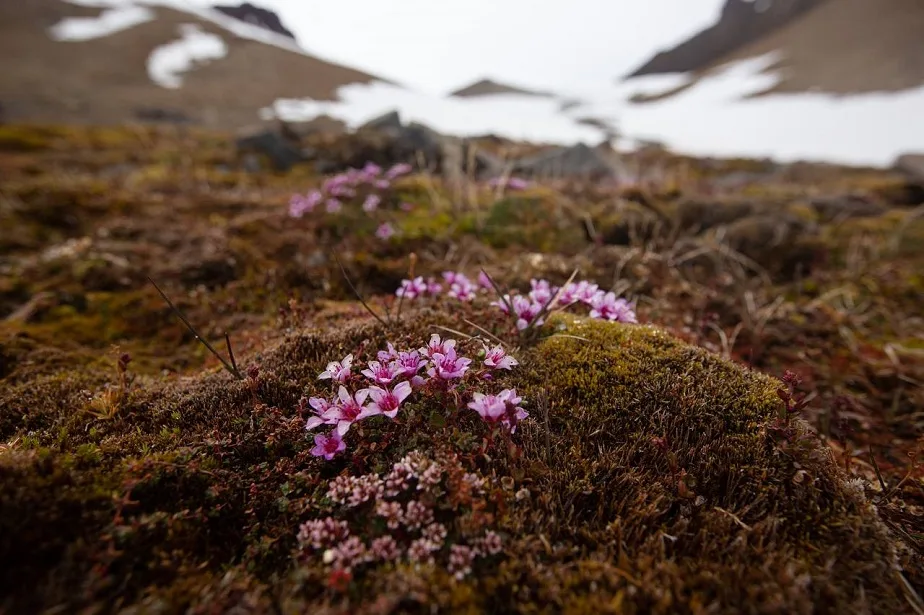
(350, 409)
(380, 373)
(338, 371)
(325, 413)
(328, 446)
(411, 289)
(385, 231)
(372, 203)
(608, 307)
(497, 358)
(398, 170)
(437, 344)
(387, 402)
(448, 366)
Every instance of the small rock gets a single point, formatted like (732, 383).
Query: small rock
(577, 161)
(911, 164)
(282, 154)
(389, 122)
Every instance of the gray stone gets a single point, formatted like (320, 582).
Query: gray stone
(282, 154)
(577, 161)
(911, 164)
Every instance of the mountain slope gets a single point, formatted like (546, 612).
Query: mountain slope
(838, 47)
(55, 81)
(741, 22)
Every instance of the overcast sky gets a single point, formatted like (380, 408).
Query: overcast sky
(440, 45)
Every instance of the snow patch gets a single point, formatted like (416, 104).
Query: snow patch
(108, 22)
(712, 117)
(167, 63)
(514, 115)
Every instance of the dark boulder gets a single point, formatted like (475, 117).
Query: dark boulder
(254, 15)
(578, 161)
(281, 152)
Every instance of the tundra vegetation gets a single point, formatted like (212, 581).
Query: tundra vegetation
(377, 391)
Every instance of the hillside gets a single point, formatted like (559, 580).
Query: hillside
(106, 79)
(839, 47)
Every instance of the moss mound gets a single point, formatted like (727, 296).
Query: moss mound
(651, 477)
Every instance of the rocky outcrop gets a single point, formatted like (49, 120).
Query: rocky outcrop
(741, 22)
(256, 16)
(577, 161)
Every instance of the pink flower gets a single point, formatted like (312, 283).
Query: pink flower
(489, 407)
(372, 203)
(515, 413)
(460, 287)
(332, 184)
(385, 231)
(350, 409)
(382, 373)
(299, 204)
(503, 408)
(342, 191)
(388, 355)
(406, 206)
(525, 310)
(398, 170)
(586, 291)
(498, 358)
(333, 206)
(338, 371)
(433, 287)
(608, 307)
(437, 345)
(448, 366)
(371, 170)
(328, 446)
(541, 292)
(408, 363)
(325, 413)
(387, 402)
(411, 289)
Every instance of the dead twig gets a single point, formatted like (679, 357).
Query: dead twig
(232, 368)
(359, 296)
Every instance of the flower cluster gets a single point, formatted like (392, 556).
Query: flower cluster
(350, 187)
(527, 309)
(394, 375)
(415, 508)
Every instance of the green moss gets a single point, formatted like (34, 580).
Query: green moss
(651, 483)
(532, 223)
